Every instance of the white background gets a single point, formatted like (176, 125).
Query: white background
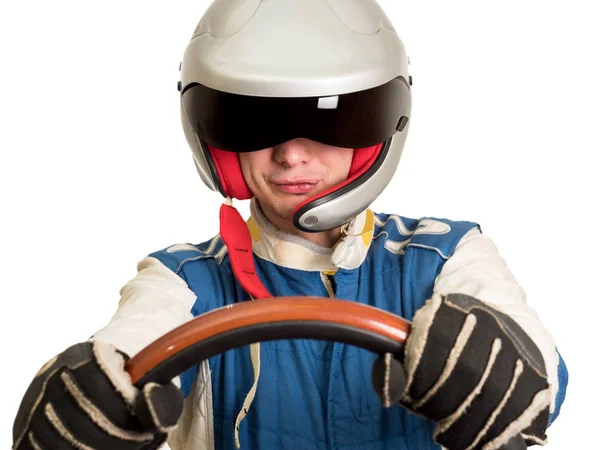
(95, 172)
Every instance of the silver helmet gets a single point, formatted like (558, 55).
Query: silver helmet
(260, 73)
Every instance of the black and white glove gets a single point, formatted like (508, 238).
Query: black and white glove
(472, 370)
(84, 399)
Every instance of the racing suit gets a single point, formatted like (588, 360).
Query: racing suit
(314, 394)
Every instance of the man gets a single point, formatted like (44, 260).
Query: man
(305, 107)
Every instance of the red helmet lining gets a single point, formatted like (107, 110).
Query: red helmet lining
(230, 173)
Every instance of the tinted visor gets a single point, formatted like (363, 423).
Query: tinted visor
(242, 123)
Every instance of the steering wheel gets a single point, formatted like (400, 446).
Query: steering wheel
(298, 317)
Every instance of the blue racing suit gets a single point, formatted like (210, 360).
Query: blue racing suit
(314, 394)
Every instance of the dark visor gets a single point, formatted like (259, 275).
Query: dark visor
(242, 123)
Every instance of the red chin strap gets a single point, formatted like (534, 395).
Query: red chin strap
(236, 236)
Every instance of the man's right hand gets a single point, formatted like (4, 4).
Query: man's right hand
(84, 399)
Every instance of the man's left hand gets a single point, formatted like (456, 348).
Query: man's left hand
(471, 369)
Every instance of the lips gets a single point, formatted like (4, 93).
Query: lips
(297, 186)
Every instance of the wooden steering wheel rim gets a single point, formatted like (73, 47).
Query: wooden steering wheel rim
(262, 320)
(298, 317)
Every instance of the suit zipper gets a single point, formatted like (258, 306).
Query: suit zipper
(328, 284)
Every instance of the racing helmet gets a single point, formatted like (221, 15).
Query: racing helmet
(256, 74)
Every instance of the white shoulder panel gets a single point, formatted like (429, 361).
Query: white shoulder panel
(154, 302)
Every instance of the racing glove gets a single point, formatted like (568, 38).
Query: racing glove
(84, 399)
(472, 370)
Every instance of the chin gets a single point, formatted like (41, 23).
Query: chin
(281, 204)
(285, 209)
(285, 212)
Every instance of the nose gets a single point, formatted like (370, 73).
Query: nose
(292, 153)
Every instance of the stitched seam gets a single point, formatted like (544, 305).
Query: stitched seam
(408, 281)
(278, 405)
(386, 235)
(381, 233)
(333, 426)
(428, 247)
(362, 387)
(399, 223)
(196, 258)
(519, 346)
(33, 442)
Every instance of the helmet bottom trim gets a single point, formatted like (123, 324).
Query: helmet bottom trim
(366, 172)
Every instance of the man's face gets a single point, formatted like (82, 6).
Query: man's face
(284, 176)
